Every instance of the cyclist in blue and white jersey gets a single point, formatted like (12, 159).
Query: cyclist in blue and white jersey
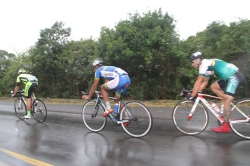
(230, 78)
(115, 78)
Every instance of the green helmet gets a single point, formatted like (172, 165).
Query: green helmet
(21, 71)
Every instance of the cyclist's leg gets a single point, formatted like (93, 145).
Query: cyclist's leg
(231, 85)
(109, 85)
(27, 94)
(217, 87)
(227, 99)
(234, 82)
(121, 90)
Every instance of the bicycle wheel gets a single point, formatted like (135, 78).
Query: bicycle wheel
(39, 110)
(190, 126)
(241, 129)
(92, 116)
(140, 119)
(20, 108)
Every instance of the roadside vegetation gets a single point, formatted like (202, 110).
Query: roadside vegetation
(147, 46)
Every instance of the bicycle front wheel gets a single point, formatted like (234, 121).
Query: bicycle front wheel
(39, 110)
(239, 114)
(139, 119)
(20, 108)
(190, 125)
(92, 116)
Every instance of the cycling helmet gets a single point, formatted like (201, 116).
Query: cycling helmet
(21, 71)
(195, 56)
(96, 62)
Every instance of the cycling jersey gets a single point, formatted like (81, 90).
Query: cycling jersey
(30, 82)
(24, 78)
(117, 77)
(218, 68)
(109, 72)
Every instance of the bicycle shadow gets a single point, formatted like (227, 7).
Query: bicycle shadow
(121, 151)
(30, 133)
(238, 152)
(189, 149)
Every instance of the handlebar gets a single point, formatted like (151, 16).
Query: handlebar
(21, 92)
(86, 93)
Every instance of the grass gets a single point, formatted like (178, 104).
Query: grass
(151, 103)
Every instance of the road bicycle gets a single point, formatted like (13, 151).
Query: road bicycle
(138, 117)
(38, 108)
(191, 118)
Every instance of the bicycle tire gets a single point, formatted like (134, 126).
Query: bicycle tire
(241, 129)
(140, 119)
(92, 118)
(194, 125)
(39, 110)
(20, 108)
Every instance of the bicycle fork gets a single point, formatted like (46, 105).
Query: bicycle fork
(193, 109)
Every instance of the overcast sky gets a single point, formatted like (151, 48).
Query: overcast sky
(22, 20)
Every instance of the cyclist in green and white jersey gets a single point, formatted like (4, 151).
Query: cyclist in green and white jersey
(31, 83)
(230, 78)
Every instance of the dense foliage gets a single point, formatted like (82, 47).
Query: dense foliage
(147, 47)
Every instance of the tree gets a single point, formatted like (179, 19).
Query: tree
(48, 65)
(5, 63)
(146, 47)
(77, 57)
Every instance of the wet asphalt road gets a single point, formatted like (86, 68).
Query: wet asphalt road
(63, 140)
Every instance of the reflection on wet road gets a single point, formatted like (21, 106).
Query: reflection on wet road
(64, 140)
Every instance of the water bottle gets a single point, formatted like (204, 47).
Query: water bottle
(215, 107)
(116, 108)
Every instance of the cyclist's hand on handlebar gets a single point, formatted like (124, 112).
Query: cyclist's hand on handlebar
(190, 97)
(85, 97)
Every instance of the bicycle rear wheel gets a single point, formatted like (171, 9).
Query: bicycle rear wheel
(92, 116)
(241, 129)
(20, 108)
(139, 117)
(190, 126)
(39, 110)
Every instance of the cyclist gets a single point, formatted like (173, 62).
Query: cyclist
(31, 83)
(115, 78)
(230, 79)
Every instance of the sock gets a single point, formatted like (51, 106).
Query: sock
(108, 105)
(28, 113)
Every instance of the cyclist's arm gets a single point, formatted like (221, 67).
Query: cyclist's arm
(16, 89)
(204, 83)
(200, 84)
(93, 88)
(17, 85)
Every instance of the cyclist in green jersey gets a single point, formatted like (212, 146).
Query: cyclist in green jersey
(230, 79)
(31, 83)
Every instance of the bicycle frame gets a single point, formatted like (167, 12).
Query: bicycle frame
(100, 101)
(218, 116)
(24, 100)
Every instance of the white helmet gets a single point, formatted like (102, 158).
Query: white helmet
(96, 62)
(21, 71)
(195, 56)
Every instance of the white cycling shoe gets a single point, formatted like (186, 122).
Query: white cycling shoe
(26, 117)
